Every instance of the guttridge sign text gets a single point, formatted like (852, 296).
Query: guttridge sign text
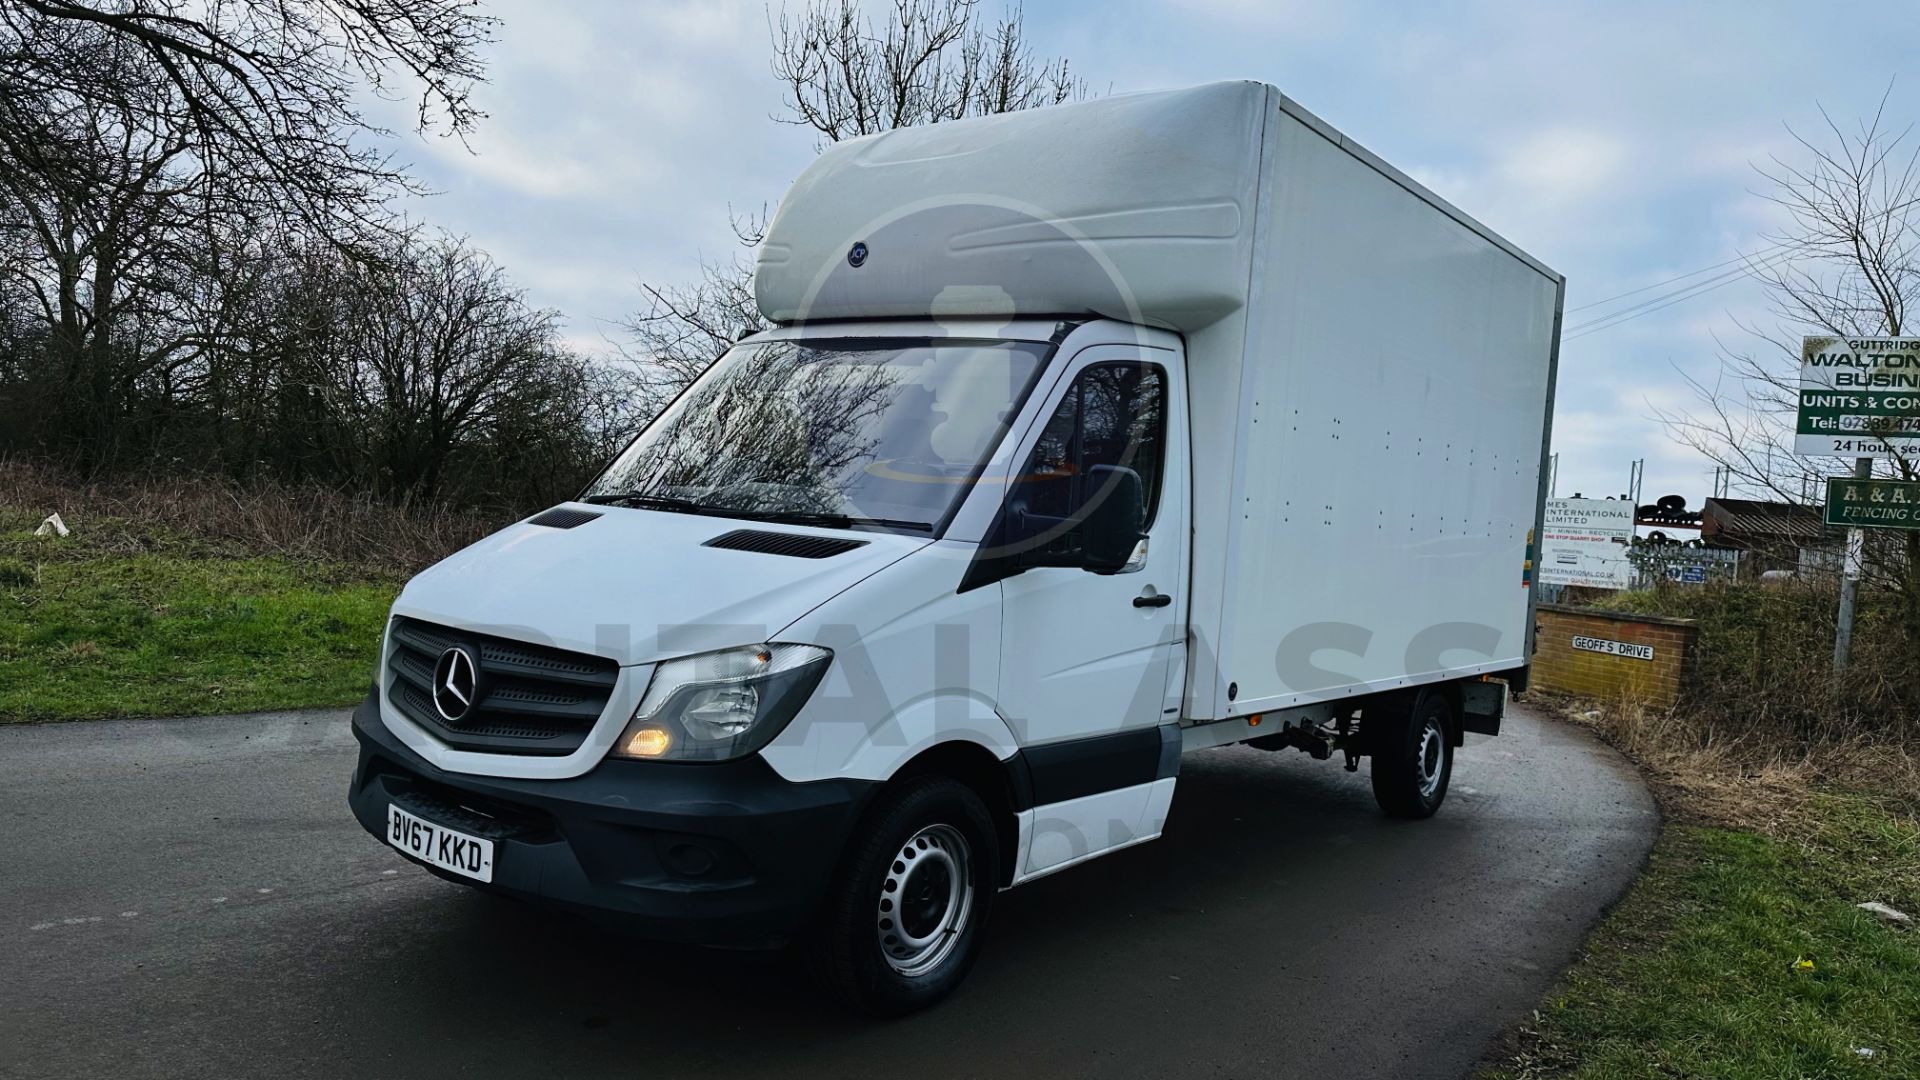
(1859, 397)
(1613, 648)
(1886, 504)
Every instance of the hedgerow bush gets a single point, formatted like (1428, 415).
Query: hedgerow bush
(1763, 666)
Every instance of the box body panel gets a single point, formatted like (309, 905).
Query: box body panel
(1386, 442)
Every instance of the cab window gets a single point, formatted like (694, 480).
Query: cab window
(1113, 414)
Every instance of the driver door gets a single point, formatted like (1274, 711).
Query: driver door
(1088, 660)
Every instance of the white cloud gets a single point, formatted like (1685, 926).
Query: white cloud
(499, 160)
(1294, 17)
(1564, 166)
(618, 136)
(1544, 187)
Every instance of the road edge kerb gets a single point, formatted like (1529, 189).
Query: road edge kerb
(303, 712)
(1556, 709)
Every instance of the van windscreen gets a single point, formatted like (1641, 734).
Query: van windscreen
(890, 432)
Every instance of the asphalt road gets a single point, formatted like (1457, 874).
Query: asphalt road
(191, 897)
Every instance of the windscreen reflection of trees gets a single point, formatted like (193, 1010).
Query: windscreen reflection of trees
(777, 432)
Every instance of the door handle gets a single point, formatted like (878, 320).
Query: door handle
(1153, 600)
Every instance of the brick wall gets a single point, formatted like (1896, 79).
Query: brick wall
(1559, 667)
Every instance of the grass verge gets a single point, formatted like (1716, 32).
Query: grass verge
(1741, 953)
(89, 631)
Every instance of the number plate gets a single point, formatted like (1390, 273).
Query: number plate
(468, 856)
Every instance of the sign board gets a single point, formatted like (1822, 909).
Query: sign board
(1584, 542)
(1859, 397)
(1613, 648)
(1873, 504)
(1686, 564)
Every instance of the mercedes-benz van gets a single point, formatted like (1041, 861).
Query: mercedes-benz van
(1088, 437)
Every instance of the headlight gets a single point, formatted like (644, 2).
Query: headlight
(721, 705)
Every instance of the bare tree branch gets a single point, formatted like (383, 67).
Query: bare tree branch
(1852, 269)
(844, 75)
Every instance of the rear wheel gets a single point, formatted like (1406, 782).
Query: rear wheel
(904, 921)
(1412, 756)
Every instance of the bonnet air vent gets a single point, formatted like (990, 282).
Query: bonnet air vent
(796, 545)
(561, 517)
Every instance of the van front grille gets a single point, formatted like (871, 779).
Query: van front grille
(527, 698)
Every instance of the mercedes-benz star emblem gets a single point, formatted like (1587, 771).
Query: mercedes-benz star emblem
(456, 683)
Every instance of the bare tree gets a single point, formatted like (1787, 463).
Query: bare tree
(929, 61)
(844, 75)
(261, 93)
(145, 143)
(422, 373)
(1848, 264)
(440, 351)
(684, 328)
(200, 269)
(98, 211)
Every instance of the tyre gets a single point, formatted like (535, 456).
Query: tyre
(905, 917)
(1412, 756)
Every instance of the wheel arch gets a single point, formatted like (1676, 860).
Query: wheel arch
(998, 783)
(1407, 700)
(1456, 710)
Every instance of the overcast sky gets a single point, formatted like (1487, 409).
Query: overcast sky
(1615, 140)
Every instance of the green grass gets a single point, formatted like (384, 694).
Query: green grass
(177, 630)
(1697, 972)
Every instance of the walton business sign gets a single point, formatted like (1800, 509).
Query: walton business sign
(1859, 397)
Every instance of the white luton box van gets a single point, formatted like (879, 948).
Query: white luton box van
(1087, 438)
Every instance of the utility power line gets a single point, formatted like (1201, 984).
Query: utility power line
(1688, 292)
(1683, 277)
(1742, 266)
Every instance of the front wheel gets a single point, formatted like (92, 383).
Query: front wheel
(904, 921)
(1412, 756)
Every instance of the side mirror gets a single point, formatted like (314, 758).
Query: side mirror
(1108, 525)
(1114, 518)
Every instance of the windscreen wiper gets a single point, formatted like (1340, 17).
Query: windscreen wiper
(830, 521)
(649, 502)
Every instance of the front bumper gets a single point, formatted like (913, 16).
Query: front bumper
(721, 853)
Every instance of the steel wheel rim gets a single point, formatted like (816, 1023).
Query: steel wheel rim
(926, 897)
(1430, 758)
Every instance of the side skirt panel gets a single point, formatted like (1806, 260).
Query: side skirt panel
(1055, 836)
